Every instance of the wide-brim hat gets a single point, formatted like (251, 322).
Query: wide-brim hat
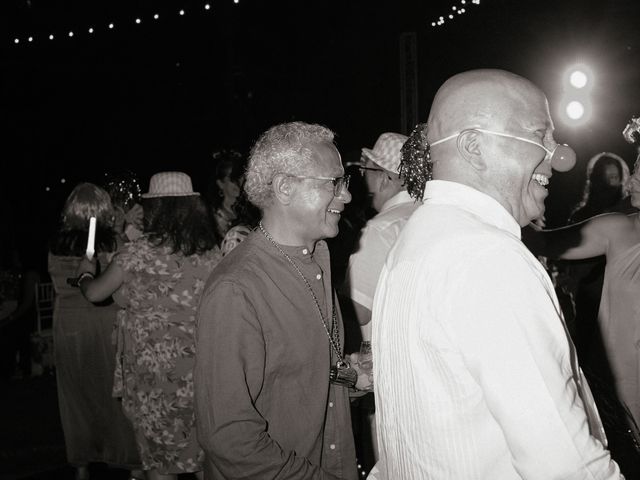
(170, 184)
(386, 151)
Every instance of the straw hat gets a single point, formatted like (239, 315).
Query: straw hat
(386, 151)
(170, 184)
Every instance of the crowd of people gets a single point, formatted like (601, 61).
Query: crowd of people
(220, 334)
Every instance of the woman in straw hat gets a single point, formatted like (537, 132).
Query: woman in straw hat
(157, 280)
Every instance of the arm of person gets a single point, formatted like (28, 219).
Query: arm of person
(102, 287)
(585, 240)
(364, 270)
(513, 342)
(363, 315)
(229, 376)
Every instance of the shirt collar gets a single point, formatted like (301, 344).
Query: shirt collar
(400, 197)
(300, 252)
(480, 204)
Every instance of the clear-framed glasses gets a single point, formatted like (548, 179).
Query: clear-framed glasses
(340, 184)
(364, 170)
(561, 158)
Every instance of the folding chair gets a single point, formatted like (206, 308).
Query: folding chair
(42, 339)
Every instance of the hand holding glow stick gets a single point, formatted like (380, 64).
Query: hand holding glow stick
(91, 241)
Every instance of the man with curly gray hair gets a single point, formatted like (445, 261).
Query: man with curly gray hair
(271, 381)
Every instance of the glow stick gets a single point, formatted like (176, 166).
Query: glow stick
(91, 241)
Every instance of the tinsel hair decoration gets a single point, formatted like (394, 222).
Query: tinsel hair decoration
(123, 188)
(415, 165)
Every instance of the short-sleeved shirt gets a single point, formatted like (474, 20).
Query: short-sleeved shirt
(378, 236)
(264, 404)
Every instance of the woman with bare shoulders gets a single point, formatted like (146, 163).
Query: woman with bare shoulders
(616, 236)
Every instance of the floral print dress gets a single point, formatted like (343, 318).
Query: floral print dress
(155, 340)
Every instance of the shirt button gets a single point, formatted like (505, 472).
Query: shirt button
(318, 276)
(305, 251)
(332, 446)
(330, 404)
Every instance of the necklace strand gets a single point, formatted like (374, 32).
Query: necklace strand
(335, 342)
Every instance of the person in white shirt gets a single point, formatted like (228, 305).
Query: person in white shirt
(475, 375)
(389, 197)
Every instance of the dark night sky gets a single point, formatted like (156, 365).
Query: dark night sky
(164, 94)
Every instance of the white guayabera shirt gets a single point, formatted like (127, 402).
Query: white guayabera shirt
(475, 375)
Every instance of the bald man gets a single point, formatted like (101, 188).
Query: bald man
(476, 376)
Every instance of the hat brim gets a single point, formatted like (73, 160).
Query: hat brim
(370, 154)
(157, 195)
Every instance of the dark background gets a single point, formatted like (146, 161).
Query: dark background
(166, 93)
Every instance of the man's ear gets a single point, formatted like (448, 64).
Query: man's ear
(282, 188)
(387, 180)
(470, 146)
(384, 181)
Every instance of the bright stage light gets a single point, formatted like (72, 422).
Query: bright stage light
(578, 79)
(575, 110)
(576, 105)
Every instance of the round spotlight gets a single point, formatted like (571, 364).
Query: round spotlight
(575, 110)
(578, 79)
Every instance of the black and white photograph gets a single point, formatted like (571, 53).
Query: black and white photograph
(339, 240)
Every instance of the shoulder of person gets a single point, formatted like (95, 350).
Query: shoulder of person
(611, 224)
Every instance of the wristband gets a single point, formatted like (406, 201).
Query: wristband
(84, 275)
(75, 282)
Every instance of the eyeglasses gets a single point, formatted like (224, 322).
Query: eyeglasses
(340, 184)
(561, 158)
(363, 170)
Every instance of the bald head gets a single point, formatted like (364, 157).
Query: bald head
(491, 130)
(480, 99)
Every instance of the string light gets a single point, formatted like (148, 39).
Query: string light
(457, 11)
(111, 26)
